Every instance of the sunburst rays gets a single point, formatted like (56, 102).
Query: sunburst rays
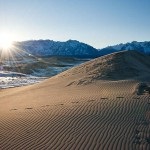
(14, 58)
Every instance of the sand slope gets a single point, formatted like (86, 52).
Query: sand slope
(101, 115)
(117, 66)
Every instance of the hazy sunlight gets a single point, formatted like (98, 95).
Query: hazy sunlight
(6, 41)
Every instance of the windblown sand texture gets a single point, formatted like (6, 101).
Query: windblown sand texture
(87, 107)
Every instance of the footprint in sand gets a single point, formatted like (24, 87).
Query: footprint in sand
(42, 106)
(59, 104)
(13, 109)
(91, 100)
(120, 97)
(136, 98)
(104, 98)
(29, 108)
(45, 105)
(75, 102)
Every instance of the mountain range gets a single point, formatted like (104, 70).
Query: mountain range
(143, 47)
(57, 48)
(75, 48)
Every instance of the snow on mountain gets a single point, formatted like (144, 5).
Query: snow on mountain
(53, 48)
(138, 46)
(13, 79)
(76, 48)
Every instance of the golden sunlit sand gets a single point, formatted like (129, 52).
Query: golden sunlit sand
(86, 107)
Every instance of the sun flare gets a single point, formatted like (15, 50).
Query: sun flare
(6, 41)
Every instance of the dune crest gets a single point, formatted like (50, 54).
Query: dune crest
(117, 66)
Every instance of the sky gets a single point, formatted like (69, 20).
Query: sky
(99, 23)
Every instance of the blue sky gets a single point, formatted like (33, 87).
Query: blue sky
(97, 22)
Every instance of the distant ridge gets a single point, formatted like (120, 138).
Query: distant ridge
(143, 47)
(117, 66)
(56, 48)
(74, 48)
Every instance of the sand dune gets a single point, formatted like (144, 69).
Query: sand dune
(101, 114)
(116, 66)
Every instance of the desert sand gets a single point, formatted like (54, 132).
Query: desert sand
(103, 104)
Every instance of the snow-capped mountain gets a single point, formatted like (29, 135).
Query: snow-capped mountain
(138, 46)
(75, 48)
(53, 48)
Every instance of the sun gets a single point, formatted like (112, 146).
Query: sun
(6, 41)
